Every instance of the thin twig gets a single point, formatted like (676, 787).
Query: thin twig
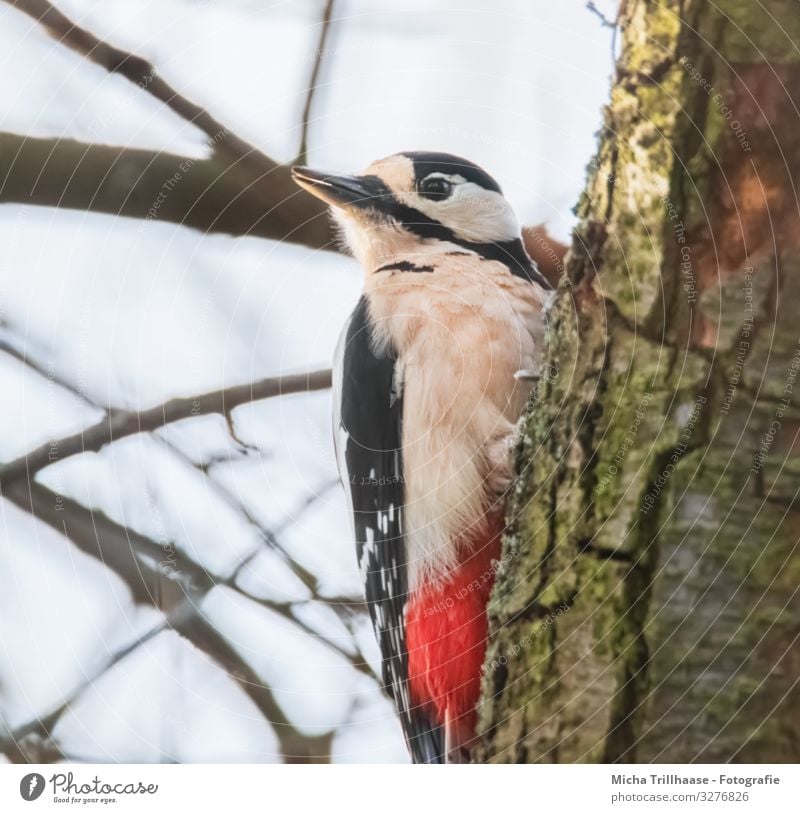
(137, 559)
(607, 23)
(599, 14)
(135, 563)
(43, 725)
(224, 493)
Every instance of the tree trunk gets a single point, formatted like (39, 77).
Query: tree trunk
(647, 608)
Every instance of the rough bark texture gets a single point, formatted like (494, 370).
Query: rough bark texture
(647, 605)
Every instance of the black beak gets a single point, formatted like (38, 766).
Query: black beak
(337, 190)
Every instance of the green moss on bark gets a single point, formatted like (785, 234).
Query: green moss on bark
(644, 611)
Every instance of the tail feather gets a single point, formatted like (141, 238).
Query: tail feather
(426, 741)
(459, 737)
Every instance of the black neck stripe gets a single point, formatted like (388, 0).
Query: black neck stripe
(404, 265)
(511, 252)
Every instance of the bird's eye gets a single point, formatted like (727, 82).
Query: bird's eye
(435, 188)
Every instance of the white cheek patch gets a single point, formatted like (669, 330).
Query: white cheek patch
(471, 212)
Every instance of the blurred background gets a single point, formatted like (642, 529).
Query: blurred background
(177, 581)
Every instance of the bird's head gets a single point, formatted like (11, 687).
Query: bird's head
(417, 202)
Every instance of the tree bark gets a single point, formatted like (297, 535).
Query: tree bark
(646, 608)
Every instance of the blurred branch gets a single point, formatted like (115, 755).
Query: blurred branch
(202, 633)
(30, 738)
(327, 13)
(178, 591)
(48, 373)
(122, 423)
(141, 562)
(270, 537)
(132, 556)
(41, 727)
(237, 166)
(285, 611)
(156, 574)
(143, 74)
(295, 747)
(266, 536)
(202, 194)
(343, 606)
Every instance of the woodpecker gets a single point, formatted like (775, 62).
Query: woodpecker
(427, 392)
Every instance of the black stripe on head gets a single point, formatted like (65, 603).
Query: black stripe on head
(379, 198)
(427, 162)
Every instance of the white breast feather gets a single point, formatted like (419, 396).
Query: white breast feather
(461, 333)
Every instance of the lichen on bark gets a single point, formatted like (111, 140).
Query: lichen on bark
(647, 607)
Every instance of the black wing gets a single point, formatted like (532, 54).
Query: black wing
(367, 431)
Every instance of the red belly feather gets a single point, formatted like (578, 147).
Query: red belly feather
(446, 631)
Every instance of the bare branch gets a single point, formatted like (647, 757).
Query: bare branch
(305, 576)
(33, 749)
(122, 423)
(41, 728)
(295, 747)
(343, 606)
(143, 563)
(179, 592)
(47, 373)
(142, 73)
(29, 737)
(132, 556)
(236, 163)
(284, 610)
(302, 155)
(20, 742)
